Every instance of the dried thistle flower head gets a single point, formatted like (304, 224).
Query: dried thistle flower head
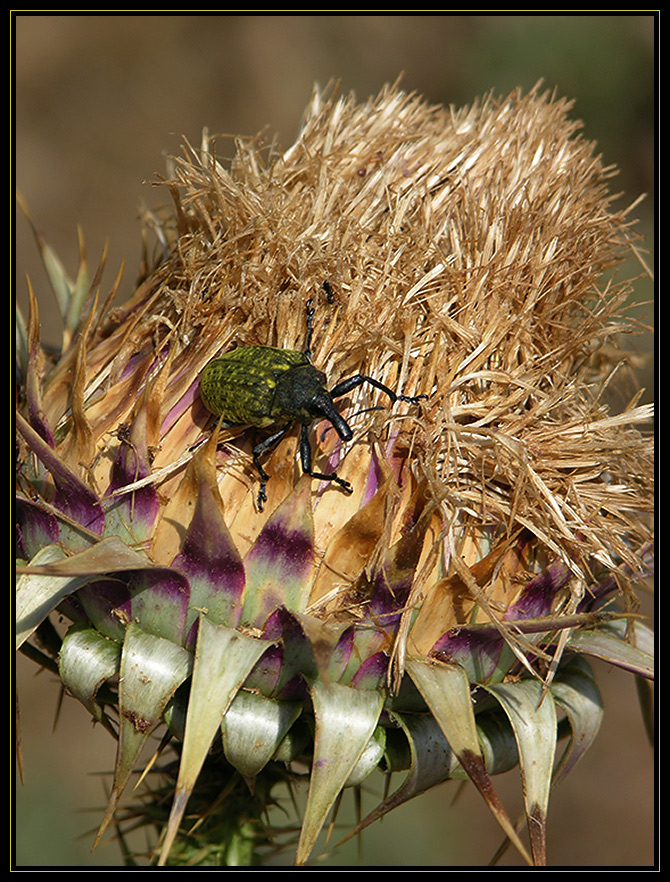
(494, 533)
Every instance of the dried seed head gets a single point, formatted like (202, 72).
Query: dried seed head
(471, 256)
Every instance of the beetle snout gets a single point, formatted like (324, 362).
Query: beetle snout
(342, 428)
(323, 407)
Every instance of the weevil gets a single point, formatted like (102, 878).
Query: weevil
(265, 386)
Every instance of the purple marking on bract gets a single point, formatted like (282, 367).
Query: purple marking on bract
(35, 528)
(537, 597)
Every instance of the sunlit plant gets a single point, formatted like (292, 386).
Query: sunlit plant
(438, 620)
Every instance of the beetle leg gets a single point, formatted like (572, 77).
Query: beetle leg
(310, 330)
(306, 461)
(268, 443)
(345, 386)
(330, 297)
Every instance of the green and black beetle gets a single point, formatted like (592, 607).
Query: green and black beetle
(265, 386)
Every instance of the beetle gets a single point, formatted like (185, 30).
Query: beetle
(265, 386)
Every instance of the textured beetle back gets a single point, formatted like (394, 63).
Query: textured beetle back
(240, 385)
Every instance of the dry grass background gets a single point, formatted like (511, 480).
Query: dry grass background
(99, 100)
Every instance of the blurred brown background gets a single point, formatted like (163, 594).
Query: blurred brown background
(99, 101)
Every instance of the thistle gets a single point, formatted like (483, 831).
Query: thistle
(438, 620)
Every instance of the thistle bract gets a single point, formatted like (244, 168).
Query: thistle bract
(437, 621)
